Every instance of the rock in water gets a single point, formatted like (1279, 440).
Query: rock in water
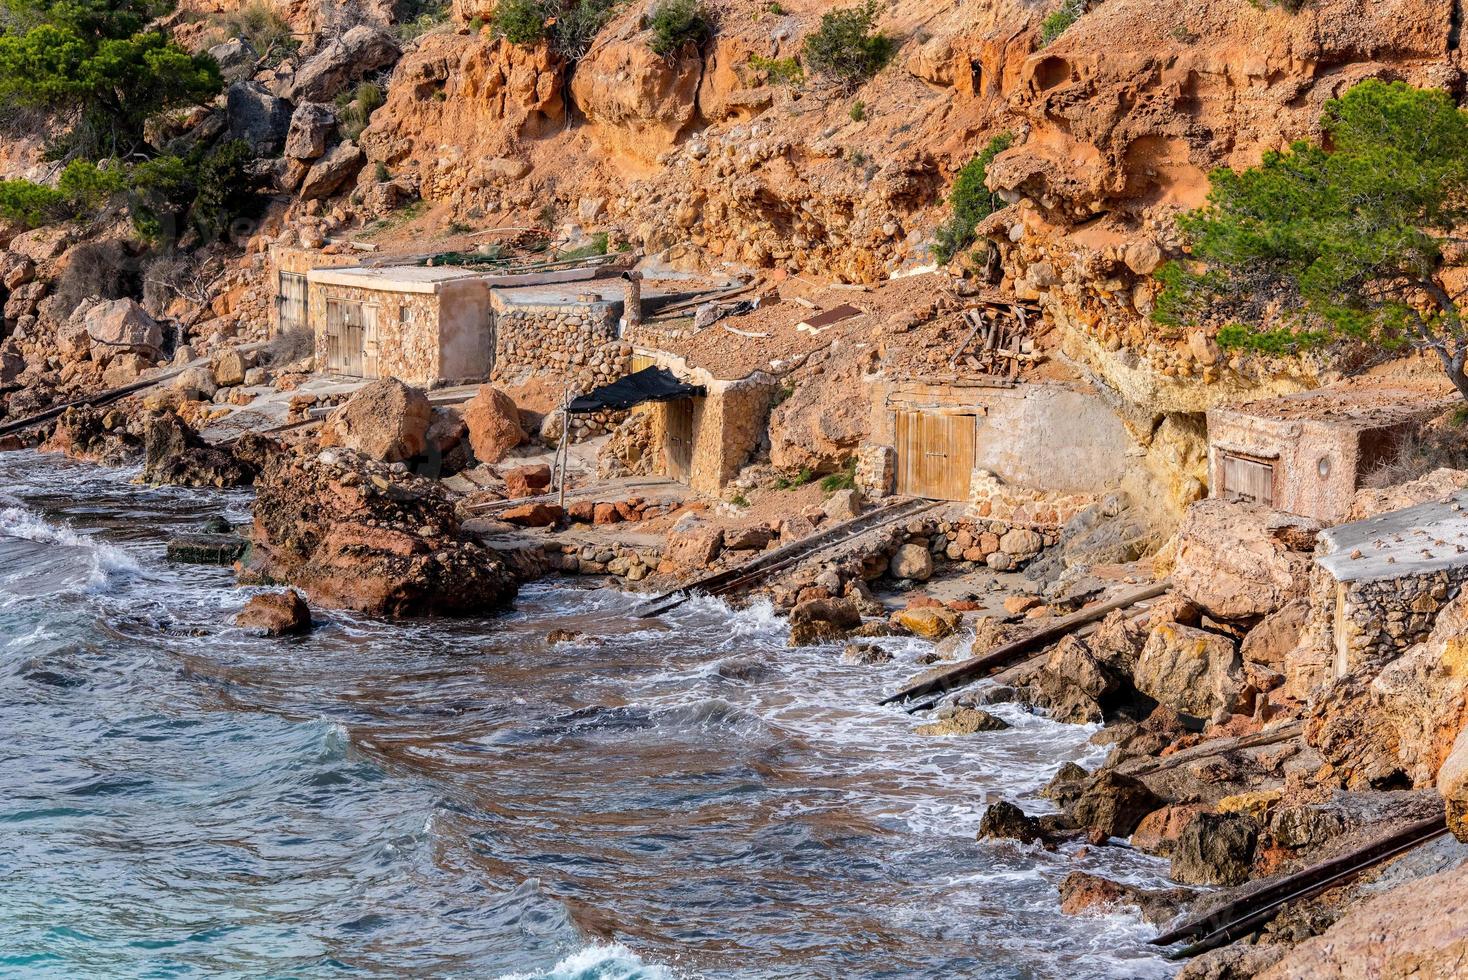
(276, 613)
(174, 454)
(207, 549)
(1114, 804)
(352, 534)
(963, 721)
(929, 622)
(387, 421)
(1005, 820)
(822, 621)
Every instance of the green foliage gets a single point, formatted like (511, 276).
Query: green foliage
(775, 9)
(1317, 244)
(971, 201)
(597, 246)
(264, 29)
(846, 49)
(783, 393)
(1060, 20)
(354, 108)
(845, 480)
(417, 17)
(799, 479)
(30, 205)
(675, 23)
(858, 111)
(779, 71)
(88, 187)
(739, 500)
(520, 21)
(95, 62)
(568, 25)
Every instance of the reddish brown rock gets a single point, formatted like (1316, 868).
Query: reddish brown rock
(276, 613)
(527, 481)
(349, 537)
(386, 420)
(494, 424)
(533, 515)
(605, 513)
(581, 511)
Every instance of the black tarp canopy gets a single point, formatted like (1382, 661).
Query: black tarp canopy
(652, 384)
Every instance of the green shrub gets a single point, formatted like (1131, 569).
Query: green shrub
(30, 205)
(354, 108)
(520, 21)
(970, 200)
(845, 48)
(858, 111)
(779, 71)
(264, 29)
(676, 23)
(845, 480)
(1060, 20)
(800, 479)
(597, 246)
(417, 17)
(88, 187)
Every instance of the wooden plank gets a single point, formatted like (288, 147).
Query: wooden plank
(1146, 767)
(976, 668)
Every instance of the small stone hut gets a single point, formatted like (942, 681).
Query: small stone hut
(419, 324)
(1307, 453)
(979, 440)
(1387, 576)
(705, 440)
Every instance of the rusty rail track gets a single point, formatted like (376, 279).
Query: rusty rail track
(751, 572)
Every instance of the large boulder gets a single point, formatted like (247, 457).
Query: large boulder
(311, 126)
(328, 174)
(637, 102)
(1113, 804)
(494, 424)
(1215, 849)
(387, 421)
(350, 533)
(1189, 670)
(1227, 561)
(236, 58)
(359, 52)
(693, 547)
(929, 622)
(256, 117)
(122, 327)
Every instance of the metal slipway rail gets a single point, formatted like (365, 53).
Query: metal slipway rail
(1248, 912)
(751, 572)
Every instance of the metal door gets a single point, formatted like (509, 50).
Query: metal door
(1248, 479)
(935, 455)
(678, 444)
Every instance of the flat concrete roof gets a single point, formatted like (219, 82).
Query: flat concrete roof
(1347, 406)
(1413, 541)
(393, 278)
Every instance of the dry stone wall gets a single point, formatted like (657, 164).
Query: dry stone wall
(578, 340)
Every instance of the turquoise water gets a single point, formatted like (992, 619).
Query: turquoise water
(455, 799)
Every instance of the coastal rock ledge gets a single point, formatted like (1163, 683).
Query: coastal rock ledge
(352, 533)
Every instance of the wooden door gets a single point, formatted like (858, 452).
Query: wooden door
(1248, 479)
(370, 342)
(346, 337)
(678, 443)
(291, 301)
(935, 455)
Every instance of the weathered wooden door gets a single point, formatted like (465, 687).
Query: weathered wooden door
(678, 444)
(935, 455)
(291, 301)
(370, 365)
(344, 337)
(1248, 479)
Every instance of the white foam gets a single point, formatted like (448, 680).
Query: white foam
(600, 962)
(110, 565)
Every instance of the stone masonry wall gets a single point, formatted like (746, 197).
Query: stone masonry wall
(575, 339)
(407, 330)
(1377, 619)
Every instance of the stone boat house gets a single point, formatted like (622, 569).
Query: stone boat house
(1308, 453)
(1387, 577)
(1029, 453)
(434, 325)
